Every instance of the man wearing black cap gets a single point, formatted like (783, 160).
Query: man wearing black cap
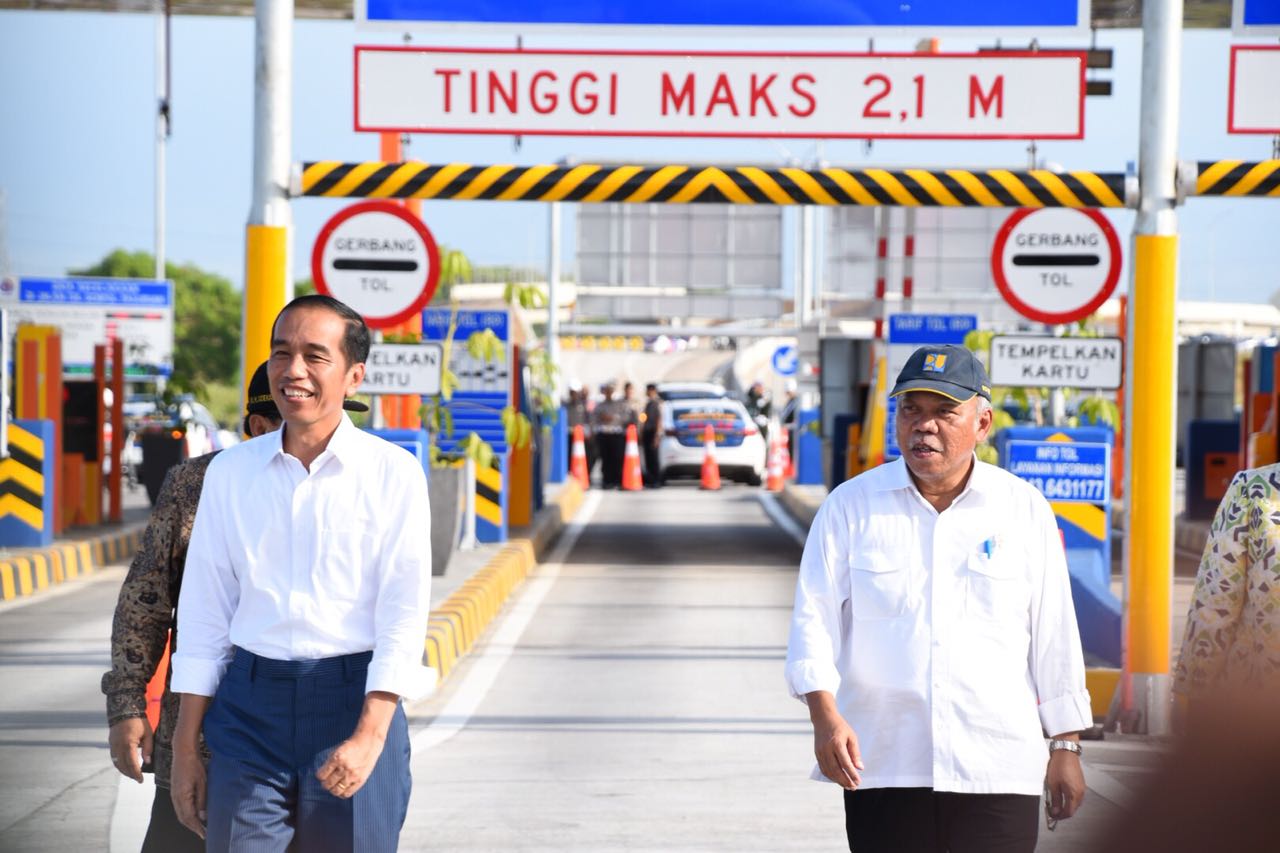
(934, 638)
(144, 621)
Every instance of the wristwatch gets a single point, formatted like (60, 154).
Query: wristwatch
(1068, 745)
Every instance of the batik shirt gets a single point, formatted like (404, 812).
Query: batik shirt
(146, 610)
(1233, 629)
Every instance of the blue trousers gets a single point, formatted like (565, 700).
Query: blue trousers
(270, 727)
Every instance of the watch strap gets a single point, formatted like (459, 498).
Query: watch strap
(1068, 745)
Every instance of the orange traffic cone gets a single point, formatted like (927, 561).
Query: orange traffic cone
(631, 481)
(710, 467)
(578, 459)
(774, 481)
(788, 464)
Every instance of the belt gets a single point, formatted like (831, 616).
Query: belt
(258, 666)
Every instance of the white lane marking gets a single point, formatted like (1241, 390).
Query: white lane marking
(114, 572)
(484, 669)
(1106, 786)
(131, 813)
(782, 518)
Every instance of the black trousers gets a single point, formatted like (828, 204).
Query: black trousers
(613, 447)
(165, 834)
(652, 468)
(921, 820)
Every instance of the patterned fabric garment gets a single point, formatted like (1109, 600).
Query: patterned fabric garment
(1233, 629)
(145, 612)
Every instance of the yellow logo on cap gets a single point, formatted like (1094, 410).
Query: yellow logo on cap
(935, 362)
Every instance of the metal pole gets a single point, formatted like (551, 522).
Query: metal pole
(162, 132)
(267, 275)
(553, 288)
(377, 419)
(804, 299)
(1149, 443)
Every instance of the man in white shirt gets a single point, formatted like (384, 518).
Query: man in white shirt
(304, 606)
(934, 637)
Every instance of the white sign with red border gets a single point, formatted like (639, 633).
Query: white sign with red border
(1026, 361)
(378, 258)
(1056, 264)
(1254, 102)
(656, 93)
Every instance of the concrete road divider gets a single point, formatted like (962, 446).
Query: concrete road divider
(459, 621)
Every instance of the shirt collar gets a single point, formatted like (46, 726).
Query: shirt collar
(341, 446)
(896, 476)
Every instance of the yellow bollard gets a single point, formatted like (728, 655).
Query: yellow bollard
(1150, 499)
(266, 291)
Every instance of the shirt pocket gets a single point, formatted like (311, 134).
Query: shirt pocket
(342, 562)
(996, 589)
(877, 588)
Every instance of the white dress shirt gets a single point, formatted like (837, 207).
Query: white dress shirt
(294, 564)
(948, 639)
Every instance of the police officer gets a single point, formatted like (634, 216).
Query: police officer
(651, 435)
(609, 424)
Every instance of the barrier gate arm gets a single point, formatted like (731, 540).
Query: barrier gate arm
(680, 184)
(677, 184)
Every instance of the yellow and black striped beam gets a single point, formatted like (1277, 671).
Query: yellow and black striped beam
(1238, 179)
(674, 184)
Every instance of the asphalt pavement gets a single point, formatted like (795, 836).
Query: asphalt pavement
(630, 697)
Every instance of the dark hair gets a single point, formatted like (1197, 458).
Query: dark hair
(355, 340)
(652, 386)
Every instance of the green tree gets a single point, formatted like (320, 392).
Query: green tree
(206, 318)
(455, 268)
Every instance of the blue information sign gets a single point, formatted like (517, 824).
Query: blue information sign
(91, 311)
(999, 15)
(1065, 471)
(137, 293)
(906, 333)
(1255, 17)
(785, 360)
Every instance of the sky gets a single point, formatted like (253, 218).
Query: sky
(77, 96)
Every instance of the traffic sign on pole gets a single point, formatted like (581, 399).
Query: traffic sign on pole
(403, 369)
(1029, 95)
(743, 17)
(1253, 104)
(785, 360)
(1056, 265)
(378, 258)
(1255, 17)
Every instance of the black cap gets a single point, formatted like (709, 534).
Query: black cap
(949, 370)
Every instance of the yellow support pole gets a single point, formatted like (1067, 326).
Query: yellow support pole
(1149, 502)
(266, 291)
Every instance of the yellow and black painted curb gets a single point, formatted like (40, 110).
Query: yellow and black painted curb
(22, 484)
(32, 572)
(458, 622)
(679, 184)
(1237, 178)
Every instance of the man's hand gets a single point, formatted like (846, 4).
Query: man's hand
(188, 788)
(349, 765)
(126, 739)
(835, 744)
(1064, 780)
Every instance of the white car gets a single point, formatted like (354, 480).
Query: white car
(691, 390)
(740, 449)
